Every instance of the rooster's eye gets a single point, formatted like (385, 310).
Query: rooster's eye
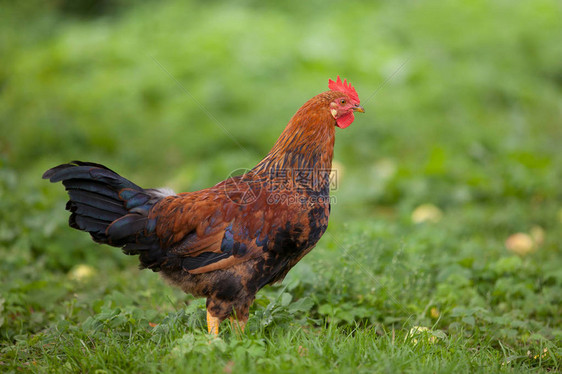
(342, 101)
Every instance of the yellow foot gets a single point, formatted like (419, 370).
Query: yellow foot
(237, 325)
(213, 324)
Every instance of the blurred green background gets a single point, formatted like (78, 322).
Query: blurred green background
(463, 99)
(463, 111)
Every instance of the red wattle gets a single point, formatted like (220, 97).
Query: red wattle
(345, 120)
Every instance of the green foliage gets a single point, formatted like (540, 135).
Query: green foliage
(181, 93)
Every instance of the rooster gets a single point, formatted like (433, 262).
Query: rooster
(228, 241)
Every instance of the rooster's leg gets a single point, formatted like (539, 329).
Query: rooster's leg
(237, 325)
(213, 324)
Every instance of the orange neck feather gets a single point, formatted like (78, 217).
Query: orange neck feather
(307, 142)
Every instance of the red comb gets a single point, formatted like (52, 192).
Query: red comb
(344, 87)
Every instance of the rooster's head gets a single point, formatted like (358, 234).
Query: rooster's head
(343, 106)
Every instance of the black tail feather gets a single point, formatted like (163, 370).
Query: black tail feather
(96, 200)
(93, 225)
(126, 227)
(111, 208)
(93, 212)
(91, 186)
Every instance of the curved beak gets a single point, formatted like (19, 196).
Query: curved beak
(358, 108)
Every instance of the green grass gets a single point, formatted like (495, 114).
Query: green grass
(470, 124)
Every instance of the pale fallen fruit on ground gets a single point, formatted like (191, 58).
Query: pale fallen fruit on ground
(427, 213)
(423, 331)
(520, 243)
(81, 272)
(434, 312)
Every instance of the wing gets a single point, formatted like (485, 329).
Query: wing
(214, 228)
